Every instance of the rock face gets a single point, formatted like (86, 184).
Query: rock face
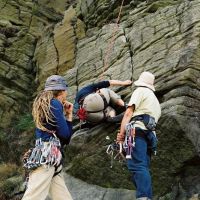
(157, 36)
(166, 43)
(87, 191)
(21, 24)
(55, 54)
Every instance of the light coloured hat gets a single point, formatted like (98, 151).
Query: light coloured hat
(55, 82)
(146, 79)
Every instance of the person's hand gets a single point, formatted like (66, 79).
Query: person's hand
(127, 82)
(120, 138)
(68, 109)
(67, 106)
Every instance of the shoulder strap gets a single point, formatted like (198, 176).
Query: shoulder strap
(52, 132)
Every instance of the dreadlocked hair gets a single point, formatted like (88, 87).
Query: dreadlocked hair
(42, 109)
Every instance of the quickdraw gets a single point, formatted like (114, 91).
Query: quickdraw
(129, 142)
(44, 153)
(115, 151)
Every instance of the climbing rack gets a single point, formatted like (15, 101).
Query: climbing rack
(115, 151)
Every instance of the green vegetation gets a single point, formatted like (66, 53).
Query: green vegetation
(13, 143)
(104, 12)
(171, 151)
(8, 170)
(155, 5)
(25, 123)
(35, 10)
(10, 180)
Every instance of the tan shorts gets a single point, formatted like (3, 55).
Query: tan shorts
(110, 95)
(94, 105)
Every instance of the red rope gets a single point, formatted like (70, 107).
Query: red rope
(111, 42)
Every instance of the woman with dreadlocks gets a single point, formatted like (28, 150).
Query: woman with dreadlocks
(52, 114)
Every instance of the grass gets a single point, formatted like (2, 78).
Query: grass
(154, 6)
(10, 179)
(14, 142)
(25, 123)
(8, 170)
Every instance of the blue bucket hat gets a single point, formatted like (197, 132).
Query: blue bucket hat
(55, 82)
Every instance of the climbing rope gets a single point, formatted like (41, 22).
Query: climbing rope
(111, 42)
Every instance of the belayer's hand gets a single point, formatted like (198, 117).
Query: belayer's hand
(120, 138)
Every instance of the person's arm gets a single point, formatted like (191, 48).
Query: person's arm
(126, 119)
(106, 84)
(68, 110)
(88, 90)
(100, 85)
(133, 104)
(63, 127)
(120, 83)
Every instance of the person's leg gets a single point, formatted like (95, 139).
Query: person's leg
(120, 102)
(110, 112)
(39, 183)
(112, 99)
(115, 98)
(142, 180)
(139, 166)
(58, 189)
(116, 118)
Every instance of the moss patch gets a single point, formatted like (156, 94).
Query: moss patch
(25, 123)
(17, 139)
(173, 149)
(161, 4)
(10, 180)
(13, 143)
(91, 163)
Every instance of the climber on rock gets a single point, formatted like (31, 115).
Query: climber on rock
(93, 102)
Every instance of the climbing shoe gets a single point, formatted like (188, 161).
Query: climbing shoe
(117, 118)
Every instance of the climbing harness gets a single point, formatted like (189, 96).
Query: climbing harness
(44, 153)
(111, 42)
(148, 121)
(129, 142)
(92, 108)
(149, 135)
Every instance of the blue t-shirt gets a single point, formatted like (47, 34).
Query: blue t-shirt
(89, 89)
(62, 127)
